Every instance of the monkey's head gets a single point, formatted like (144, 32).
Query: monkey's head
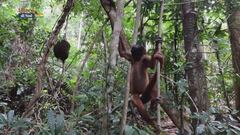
(138, 51)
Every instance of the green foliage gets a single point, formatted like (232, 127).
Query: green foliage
(182, 86)
(12, 124)
(56, 122)
(232, 5)
(130, 130)
(216, 123)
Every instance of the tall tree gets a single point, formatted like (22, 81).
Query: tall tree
(233, 8)
(117, 28)
(195, 69)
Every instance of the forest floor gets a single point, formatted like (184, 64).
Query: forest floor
(168, 127)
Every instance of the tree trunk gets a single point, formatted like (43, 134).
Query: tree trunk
(176, 76)
(137, 22)
(105, 94)
(234, 31)
(195, 69)
(125, 105)
(117, 28)
(160, 31)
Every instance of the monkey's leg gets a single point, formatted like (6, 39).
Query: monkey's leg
(154, 100)
(149, 91)
(140, 106)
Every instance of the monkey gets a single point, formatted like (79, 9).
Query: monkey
(142, 88)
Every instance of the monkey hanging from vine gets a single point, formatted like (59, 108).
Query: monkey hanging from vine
(142, 88)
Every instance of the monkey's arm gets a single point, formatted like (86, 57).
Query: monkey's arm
(123, 52)
(157, 55)
(160, 57)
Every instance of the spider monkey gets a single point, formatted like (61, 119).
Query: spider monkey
(142, 88)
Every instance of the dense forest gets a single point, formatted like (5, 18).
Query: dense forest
(119, 67)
